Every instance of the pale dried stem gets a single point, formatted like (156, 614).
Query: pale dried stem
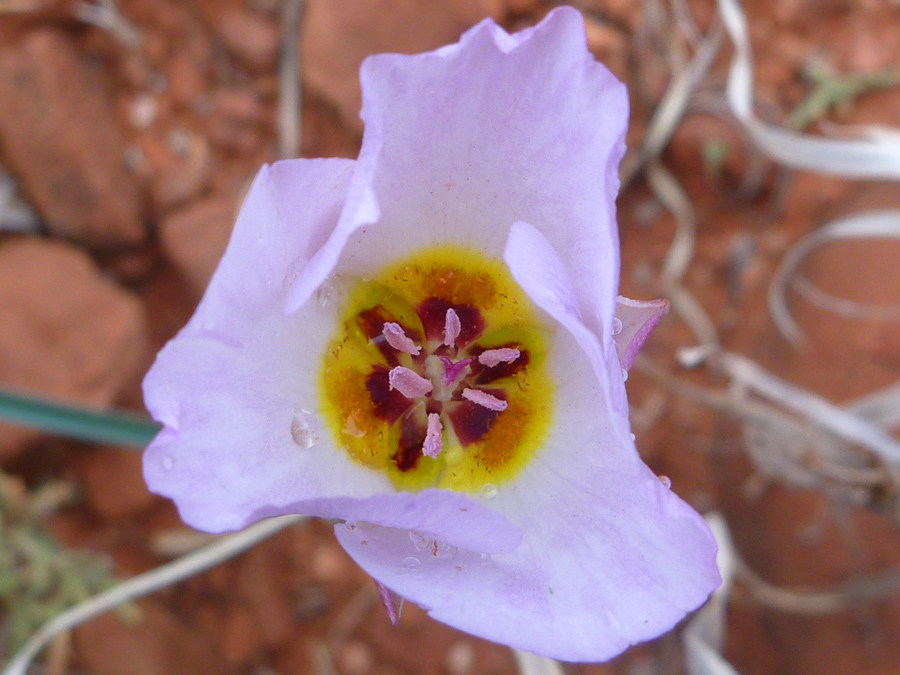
(353, 613)
(320, 656)
(673, 197)
(824, 414)
(532, 664)
(816, 603)
(672, 106)
(769, 417)
(870, 225)
(106, 15)
(290, 95)
(225, 548)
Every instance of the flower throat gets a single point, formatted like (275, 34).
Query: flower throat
(437, 374)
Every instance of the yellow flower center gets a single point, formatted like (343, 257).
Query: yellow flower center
(437, 373)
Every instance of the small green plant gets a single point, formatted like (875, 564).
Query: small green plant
(39, 578)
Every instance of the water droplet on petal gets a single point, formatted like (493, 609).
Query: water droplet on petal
(624, 375)
(485, 558)
(304, 429)
(326, 294)
(442, 550)
(350, 526)
(489, 491)
(410, 565)
(633, 437)
(665, 480)
(616, 325)
(419, 540)
(168, 462)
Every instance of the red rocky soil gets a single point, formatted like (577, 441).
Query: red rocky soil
(136, 155)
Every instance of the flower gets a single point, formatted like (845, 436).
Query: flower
(425, 344)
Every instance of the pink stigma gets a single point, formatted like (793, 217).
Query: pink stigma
(484, 399)
(408, 382)
(493, 357)
(453, 371)
(451, 327)
(396, 338)
(433, 436)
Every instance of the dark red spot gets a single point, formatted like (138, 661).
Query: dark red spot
(409, 448)
(433, 313)
(389, 403)
(482, 374)
(472, 421)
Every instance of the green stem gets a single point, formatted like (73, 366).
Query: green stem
(84, 424)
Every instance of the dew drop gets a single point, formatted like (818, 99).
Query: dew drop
(624, 375)
(326, 294)
(489, 491)
(442, 550)
(485, 559)
(410, 565)
(350, 526)
(419, 540)
(616, 325)
(304, 429)
(633, 437)
(665, 480)
(168, 462)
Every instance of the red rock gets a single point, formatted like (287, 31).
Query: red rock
(261, 584)
(113, 482)
(182, 175)
(339, 34)
(60, 138)
(242, 638)
(186, 78)
(66, 331)
(158, 644)
(239, 105)
(608, 44)
(194, 238)
(252, 38)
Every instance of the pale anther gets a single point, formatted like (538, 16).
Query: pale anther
(484, 399)
(493, 357)
(434, 442)
(408, 382)
(452, 327)
(397, 338)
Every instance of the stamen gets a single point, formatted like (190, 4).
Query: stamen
(484, 399)
(453, 371)
(493, 357)
(452, 327)
(408, 382)
(434, 442)
(396, 338)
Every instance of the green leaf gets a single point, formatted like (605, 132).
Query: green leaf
(84, 424)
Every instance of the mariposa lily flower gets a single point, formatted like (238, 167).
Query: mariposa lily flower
(426, 345)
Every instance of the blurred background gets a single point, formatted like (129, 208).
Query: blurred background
(128, 134)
